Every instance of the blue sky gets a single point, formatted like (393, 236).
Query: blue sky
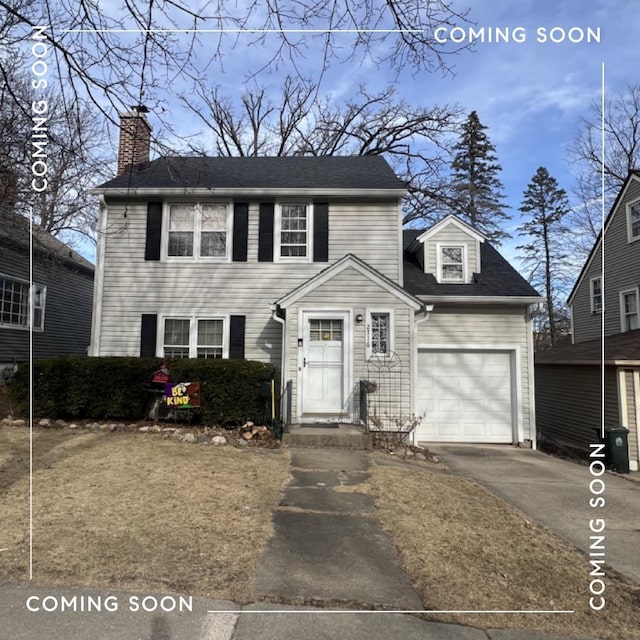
(530, 94)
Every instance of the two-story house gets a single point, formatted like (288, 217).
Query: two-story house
(44, 285)
(302, 262)
(605, 302)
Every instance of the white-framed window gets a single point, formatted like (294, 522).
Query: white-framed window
(293, 233)
(198, 230)
(451, 263)
(595, 292)
(629, 310)
(194, 337)
(379, 332)
(16, 298)
(633, 220)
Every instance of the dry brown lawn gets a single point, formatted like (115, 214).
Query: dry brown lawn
(467, 550)
(134, 511)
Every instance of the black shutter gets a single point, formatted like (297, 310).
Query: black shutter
(265, 233)
(321, 232)
(154, 231)
(236, 338)
(148, 335)
(240, 231)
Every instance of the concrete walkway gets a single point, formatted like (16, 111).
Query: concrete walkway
(327, 546)
(556, 494)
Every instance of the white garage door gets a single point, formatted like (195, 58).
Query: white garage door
(465, 396)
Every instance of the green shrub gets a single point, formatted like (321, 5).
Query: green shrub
(80, 387)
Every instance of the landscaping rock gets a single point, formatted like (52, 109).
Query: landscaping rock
(218, 440)
(95, 426)
(434, 458)
(169, 429)
(202, 439)
(144, 429)
(45, 422)
(421, 457)
(73, 425)
(242, 443)
(18, 423)
(189, 437)
(61, 424)
(155, 429)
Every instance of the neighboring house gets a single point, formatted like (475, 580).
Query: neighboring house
(59, 300)
(605, 301)
(302, 262)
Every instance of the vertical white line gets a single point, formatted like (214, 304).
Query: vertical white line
(30, 316)
(602, 216)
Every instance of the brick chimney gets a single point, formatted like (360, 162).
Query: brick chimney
(135, 138)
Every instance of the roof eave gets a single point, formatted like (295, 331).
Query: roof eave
(481, 299)
(226, 192)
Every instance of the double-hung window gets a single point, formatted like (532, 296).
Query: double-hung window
(198, 230)
(633, 221)
(194, 338)
(596, 294)
(629, 310)
(16, 298)
(451, 264)
(294, 233)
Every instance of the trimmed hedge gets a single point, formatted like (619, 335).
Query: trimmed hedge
(80, 387)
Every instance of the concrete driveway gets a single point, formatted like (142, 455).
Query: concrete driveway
(556, 494)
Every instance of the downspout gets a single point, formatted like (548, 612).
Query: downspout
(422, 315)
(279, 315)
(533, 432)
(96, 319)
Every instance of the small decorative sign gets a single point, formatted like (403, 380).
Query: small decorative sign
(182, 395)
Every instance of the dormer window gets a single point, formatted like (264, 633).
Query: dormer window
(452, 264)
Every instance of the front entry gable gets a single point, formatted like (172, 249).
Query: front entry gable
(366, 274)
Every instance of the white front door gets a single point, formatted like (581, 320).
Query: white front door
(322, 378)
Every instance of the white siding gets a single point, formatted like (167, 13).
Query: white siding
(491, 326)
(133, 286)
(353, 292)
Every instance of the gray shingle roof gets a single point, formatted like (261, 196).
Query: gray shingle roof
(14, 230)
(297, 172)
(619, 347)
(496, 278)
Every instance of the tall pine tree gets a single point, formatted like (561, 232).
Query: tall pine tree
(476, 188)
(544, 206)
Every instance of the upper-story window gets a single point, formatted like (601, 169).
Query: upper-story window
(198, 230)
(293, 237)
(596, 294)
(14, 304)
(633, 221)
(629, 310)
(452, 263)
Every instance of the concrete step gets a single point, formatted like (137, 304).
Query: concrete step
(348, 436)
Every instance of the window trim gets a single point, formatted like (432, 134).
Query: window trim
(623, 315)
(630, 236)
(30, 291)
(369, 329)
(277, 232)
(193, 332)
(440, 247)
(197, 230)
(592, 297)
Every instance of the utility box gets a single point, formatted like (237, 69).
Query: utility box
(616, 440)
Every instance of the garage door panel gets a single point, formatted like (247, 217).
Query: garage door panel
(466, 396)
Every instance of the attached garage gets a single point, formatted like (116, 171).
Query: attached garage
(466, 396)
